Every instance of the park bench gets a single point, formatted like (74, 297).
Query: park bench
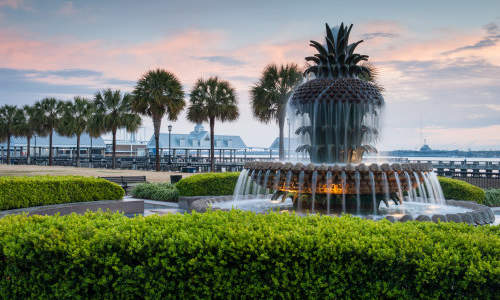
(125, 181)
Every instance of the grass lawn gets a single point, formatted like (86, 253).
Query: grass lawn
(22, 170)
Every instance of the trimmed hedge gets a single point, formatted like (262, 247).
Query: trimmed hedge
(461, 190)
(492, 197)
(20, 192)
(208, 184)
(245, 255)
(156, 191)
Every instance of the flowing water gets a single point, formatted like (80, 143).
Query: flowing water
(264, 187)
(357, 183)
(256, 186)
(314, 181)
(239, 185)
(343, 183)
(398, 182)
(328, 194)
(301, 189)
(385, 186)
(374, 195)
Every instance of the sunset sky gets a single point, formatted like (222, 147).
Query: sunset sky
(439, 61)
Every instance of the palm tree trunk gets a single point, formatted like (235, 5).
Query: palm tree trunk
(28, 143)
(212, 145)
(113, 165)
(50, 147)
(157, 125)
(281, 123)
(8, 149)
(78, 150)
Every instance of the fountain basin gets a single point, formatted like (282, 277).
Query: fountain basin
(452, 211)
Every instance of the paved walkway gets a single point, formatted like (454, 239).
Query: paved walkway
(152, 207)
(23, 170)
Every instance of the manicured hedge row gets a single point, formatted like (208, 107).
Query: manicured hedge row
(461, 190)
(156, 191)
(208, 184)
(239, 254)
(20, 192)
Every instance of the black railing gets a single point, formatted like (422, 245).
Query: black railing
(187, 164)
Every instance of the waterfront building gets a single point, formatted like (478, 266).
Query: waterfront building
(198, 139)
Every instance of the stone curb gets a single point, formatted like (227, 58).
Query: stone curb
(123, 206)
(480, 214)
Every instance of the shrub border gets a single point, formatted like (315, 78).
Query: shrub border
(480, 214)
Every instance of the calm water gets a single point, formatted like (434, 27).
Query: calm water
(262, 205)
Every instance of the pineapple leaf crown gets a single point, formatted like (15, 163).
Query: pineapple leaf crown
(337, 59)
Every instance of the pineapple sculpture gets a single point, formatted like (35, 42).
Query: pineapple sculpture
(339, 107)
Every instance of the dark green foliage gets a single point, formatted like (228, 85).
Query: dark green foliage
(208, 184)
(492, 197)
(460, 190)
(156, 191)
(337, 58)
(20, 192)
(269, 96)
(210, 100)
(235, 255)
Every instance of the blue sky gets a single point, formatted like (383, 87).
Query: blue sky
(439, 61)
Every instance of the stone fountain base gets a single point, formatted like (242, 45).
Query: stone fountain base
(479, 214)
(323, 178)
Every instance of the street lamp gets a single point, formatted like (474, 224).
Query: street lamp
(169, 143)
(34, 152)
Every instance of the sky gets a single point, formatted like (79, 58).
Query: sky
(439, 61)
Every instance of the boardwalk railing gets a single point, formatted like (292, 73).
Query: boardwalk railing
(485, 174)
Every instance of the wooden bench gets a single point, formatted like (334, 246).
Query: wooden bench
(125, 181)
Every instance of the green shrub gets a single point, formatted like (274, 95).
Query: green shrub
(461, 190)
(20, 192)
(156, 191)
(239, 254)
(492, 197)
(208, 184)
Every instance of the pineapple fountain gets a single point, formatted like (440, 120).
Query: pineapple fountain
(336, 112)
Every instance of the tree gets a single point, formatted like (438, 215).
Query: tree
(49, 112)
(157, 93)
(9, 120)
(27, 126)
(114, 111)
(270, 95)
(95, 127)
(211, 100)
(75, 121)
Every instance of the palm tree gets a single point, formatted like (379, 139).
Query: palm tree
(27, 126)
(157, 93)
(75, 121)
(270, 95)
(114, 111)
(49, 112)
(95, 126)
(9, 120)
(210, 100)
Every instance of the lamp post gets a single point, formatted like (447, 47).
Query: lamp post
(34, 151)
(169, 143)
